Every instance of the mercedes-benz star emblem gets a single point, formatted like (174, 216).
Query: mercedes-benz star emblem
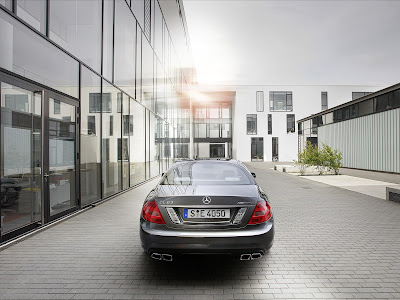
(206, 200)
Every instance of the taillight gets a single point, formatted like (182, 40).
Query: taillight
(261, 213)
(151, 213)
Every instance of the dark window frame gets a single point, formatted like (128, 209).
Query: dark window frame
(251, 122)
(287, 106)
(260, 101)
(324, 101)
(91, 125)
(290, 123)
(269, 123)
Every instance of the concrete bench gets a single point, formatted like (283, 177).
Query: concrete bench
(280, 167)
(393, 194)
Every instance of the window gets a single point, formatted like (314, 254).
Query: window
(251, 124)
(17, 102)
(356, 95)
(269, 124)
(108, 22)
(382, 103)
(91, 127)
(128, 124)
(275, 149)
(111, 125)
(324, 100)
(95, 102)
(280, 101)
(49, 69)
(124, 154)
(300, 128)
(7, 4)
(76, 27)
(34, 13)
(106, 150)
(260, 100)
(290, 122)
(124, 48)
(56, 107)
(396, 98)
(147, 19)
(119, 102)
(207, 173)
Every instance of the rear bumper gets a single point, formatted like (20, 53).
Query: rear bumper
(252, 238)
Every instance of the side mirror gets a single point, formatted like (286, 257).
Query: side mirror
(253, 174)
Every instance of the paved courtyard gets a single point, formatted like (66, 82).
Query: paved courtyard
(330, 243)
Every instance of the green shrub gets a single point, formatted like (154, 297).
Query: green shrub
(322, 159)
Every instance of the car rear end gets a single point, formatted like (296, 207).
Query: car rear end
(204, 218)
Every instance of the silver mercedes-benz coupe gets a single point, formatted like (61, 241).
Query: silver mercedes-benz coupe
(207, 207)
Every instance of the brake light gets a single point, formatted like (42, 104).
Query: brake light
(261, 213)
(151, 213)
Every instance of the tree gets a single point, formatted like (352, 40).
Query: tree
(322, 159)
(332, 159)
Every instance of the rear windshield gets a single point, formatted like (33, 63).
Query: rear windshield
(207, 173)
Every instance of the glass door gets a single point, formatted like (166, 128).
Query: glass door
(21, 156)
(257, 149)
(60, 167)
(38, 156)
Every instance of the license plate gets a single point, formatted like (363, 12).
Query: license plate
(198, 213)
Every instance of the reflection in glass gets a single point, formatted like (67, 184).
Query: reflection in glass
(138, 10)
(124, 47)
(138, 91)
(21, 157)
(34, 13)
(125, 142)
(137, 144)
(147, 74)
(75, 25)
(154, 151)
(108, 21)
(111, 164)
(62, 158)
(44, 62)
(7, 4)
(158, 31)
(90, 137)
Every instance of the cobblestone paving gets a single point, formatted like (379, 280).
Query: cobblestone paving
(330, 243)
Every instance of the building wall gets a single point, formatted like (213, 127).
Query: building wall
(136, 54)
(371, 142)
(306, 101)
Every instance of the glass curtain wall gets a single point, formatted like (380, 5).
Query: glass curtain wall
(137, 144)
(90, 136)
(124, 47)
(104, 46)
(127, 132)
(75, 25)
(111, 134)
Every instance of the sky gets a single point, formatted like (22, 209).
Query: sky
(283, 42)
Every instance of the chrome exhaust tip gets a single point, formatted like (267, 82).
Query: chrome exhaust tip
(167, 257)
(245, 257)
(157, 256)
(256, 255)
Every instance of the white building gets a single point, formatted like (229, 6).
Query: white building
(265, 129)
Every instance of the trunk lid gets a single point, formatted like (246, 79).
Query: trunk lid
(206, 206)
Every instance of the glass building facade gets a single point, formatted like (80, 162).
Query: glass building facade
(94, 100)
(212, 125)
